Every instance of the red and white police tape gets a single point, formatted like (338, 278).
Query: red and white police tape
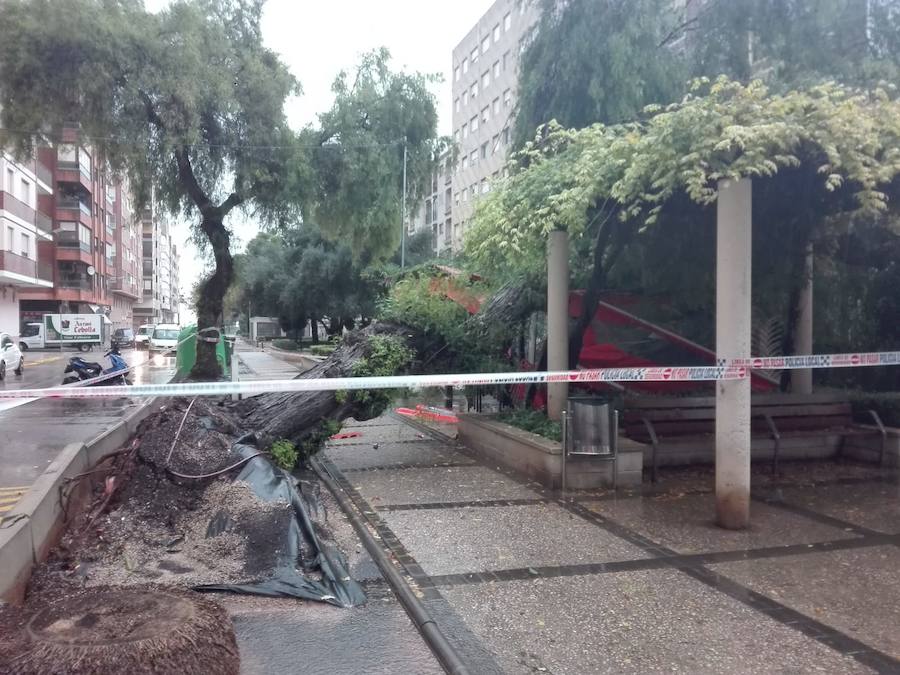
(728, 369)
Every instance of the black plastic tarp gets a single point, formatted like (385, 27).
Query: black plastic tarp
(300, 547)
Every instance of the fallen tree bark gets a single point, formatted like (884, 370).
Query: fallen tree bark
(296, 416)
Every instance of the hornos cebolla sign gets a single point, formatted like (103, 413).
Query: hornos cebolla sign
(73, 327)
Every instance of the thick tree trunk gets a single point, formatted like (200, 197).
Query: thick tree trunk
(212, 295)
(295, 415)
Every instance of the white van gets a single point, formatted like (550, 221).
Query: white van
(164, 338)
(142, 336)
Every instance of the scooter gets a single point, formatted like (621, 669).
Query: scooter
(79, 370)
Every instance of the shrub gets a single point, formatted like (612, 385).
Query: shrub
(286, 344)
(886, 404)
(322, 350)
(533, 421)
(285, 454)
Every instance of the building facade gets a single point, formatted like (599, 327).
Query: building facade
(159, 271)
(484, 80)
(91, 249)
(22, 228)
(434, 214)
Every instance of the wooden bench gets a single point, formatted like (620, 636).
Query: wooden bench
(648, 420)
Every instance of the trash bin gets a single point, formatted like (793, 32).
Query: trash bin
(592, 426)
(186, 354)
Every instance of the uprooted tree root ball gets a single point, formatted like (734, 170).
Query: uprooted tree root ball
(104, 629)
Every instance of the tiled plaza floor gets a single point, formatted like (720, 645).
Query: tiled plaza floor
(522, 581)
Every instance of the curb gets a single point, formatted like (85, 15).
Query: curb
(37, 522)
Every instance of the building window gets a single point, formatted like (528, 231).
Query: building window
(465, 97)
(456, 74)
(456, 136)
(496, 32)
(505, 60)
(10, 236)
(10, 180)
(473, 158)
(496, 69)
(456, 199)
(456, 105)
(485, 79)
(495, 144)
(473, 124)
(465, 194)
(26, 245)
(474, 56)
(427, 210)
(485, 43)
(465, 130)
(495, 105)
(485, 114)
(484, 186)
(465, 161)
(465, 65)
(26, 191)
(505, 136)
(484, 148)
(474, 90)
(507, 22)
(507, 98)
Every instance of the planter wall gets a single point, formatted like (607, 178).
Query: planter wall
(540, 458)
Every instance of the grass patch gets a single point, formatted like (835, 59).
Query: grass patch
(286, 344)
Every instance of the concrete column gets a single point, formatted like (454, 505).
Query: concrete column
(733, 285)
(801, 380)
(557, 319)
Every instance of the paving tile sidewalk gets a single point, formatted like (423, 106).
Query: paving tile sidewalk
(522, 582)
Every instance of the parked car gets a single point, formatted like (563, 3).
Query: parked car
(10, 356)
(123, 337)
(164, 338)
(142, 337)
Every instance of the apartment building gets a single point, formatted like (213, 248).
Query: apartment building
(22, 228)
(434, 213)
(484, 79)
(90, 250)
(159, 271)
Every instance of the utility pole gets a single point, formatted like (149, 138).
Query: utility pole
(403, 212)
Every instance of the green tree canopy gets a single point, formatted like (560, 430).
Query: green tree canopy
(188, 103)
(357, 154)
(596, 61)
(816, 155)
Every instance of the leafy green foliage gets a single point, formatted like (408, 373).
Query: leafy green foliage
(387, 356)
(285, 454)
(593, 61)
(533, 421)
(846, 140)
(299, 276)
(193, 81)
(322, 350)
(358, 155)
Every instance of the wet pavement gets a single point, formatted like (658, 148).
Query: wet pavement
(33, 432)
(521, 581)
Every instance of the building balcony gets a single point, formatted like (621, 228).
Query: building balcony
(74, 211)
(43, 224)
(123, 287)
(23, 272)
(16, 208)
(70, 172)
(44, 175)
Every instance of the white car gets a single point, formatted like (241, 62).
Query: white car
(10, 356)
(164, 338)
(142, 336)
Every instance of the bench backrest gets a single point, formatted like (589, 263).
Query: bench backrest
(697, 415)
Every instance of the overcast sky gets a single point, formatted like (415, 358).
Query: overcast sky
(318, 38)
